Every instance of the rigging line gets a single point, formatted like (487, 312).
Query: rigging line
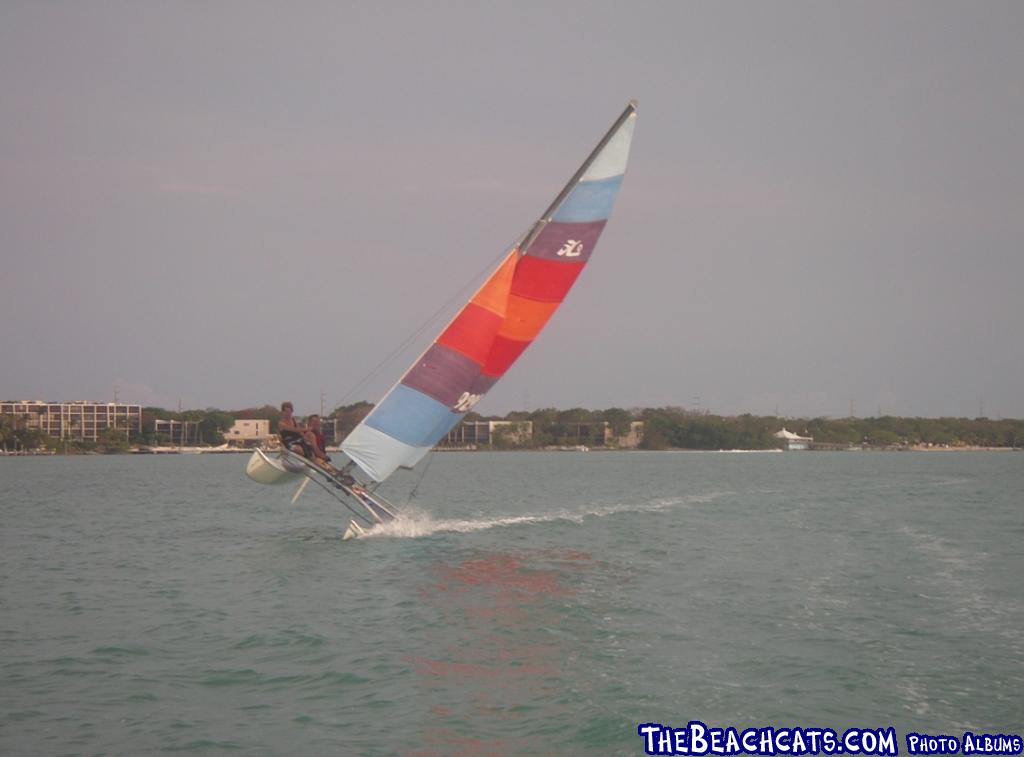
(423, 473)
(423, 327)
(330, 490)
(343, 501)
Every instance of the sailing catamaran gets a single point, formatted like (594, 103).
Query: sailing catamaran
(476, 348)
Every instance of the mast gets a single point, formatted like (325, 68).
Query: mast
(535, 231)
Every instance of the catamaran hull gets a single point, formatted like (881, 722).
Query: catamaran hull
(271, 470)
(287, 467)
(354, 531)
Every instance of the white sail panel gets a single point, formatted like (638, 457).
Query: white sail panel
(613, 158)
(378, 454)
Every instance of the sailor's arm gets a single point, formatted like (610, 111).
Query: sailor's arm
(291, 424)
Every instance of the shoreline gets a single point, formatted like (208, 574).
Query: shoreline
(672, 450)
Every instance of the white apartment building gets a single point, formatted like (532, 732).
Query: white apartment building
(78, 421)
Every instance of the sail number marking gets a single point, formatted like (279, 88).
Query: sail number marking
(466, 401)
(573, 248)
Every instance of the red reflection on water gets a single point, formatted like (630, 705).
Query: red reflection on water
(501, 572)
(497, 655)
(462, 745)
(442, 711)
(425, 666)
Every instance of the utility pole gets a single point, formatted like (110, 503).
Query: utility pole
(323, 398)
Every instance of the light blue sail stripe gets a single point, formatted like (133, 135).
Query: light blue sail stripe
(589, 201)
(412, 417)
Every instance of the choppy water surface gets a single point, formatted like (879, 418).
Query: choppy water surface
(529, 603)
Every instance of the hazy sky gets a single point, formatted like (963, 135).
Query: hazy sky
(233, 204)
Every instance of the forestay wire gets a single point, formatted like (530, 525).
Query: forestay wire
(419, 479)
(415, 335)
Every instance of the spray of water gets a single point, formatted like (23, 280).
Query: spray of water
(413, 523)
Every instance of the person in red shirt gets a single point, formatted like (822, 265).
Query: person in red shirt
(315, 427)
(293, 433)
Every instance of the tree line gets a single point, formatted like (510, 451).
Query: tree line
(675, 427)
(663, 428)
(679, 428)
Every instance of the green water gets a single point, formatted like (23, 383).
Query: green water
(543, 603)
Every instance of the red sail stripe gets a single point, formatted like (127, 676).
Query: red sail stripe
(547, 280)
(504, 352)
(474, 328)
(472, 332)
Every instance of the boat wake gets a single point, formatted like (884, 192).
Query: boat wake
(414, 524)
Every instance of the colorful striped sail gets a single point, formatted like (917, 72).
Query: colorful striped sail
(499, 322)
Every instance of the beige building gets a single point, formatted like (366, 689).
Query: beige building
(248, 433)
(77, 421)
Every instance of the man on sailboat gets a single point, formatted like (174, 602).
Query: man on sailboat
(316, 428)
(294, 434)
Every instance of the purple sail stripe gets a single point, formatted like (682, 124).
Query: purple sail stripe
(567, 242)
(443, 374)
(482, 384)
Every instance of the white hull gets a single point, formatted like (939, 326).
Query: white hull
(354, 531)
(287, 468)
(271, 470)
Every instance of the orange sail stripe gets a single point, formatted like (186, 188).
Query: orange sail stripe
(493, 295)
(525, 318)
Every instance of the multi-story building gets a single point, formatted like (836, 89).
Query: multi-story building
(249, 433)
(176, 432)
(489, 434)
(77, 421)
(502, 434)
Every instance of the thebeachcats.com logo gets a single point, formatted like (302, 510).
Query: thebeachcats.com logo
(697, 738)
